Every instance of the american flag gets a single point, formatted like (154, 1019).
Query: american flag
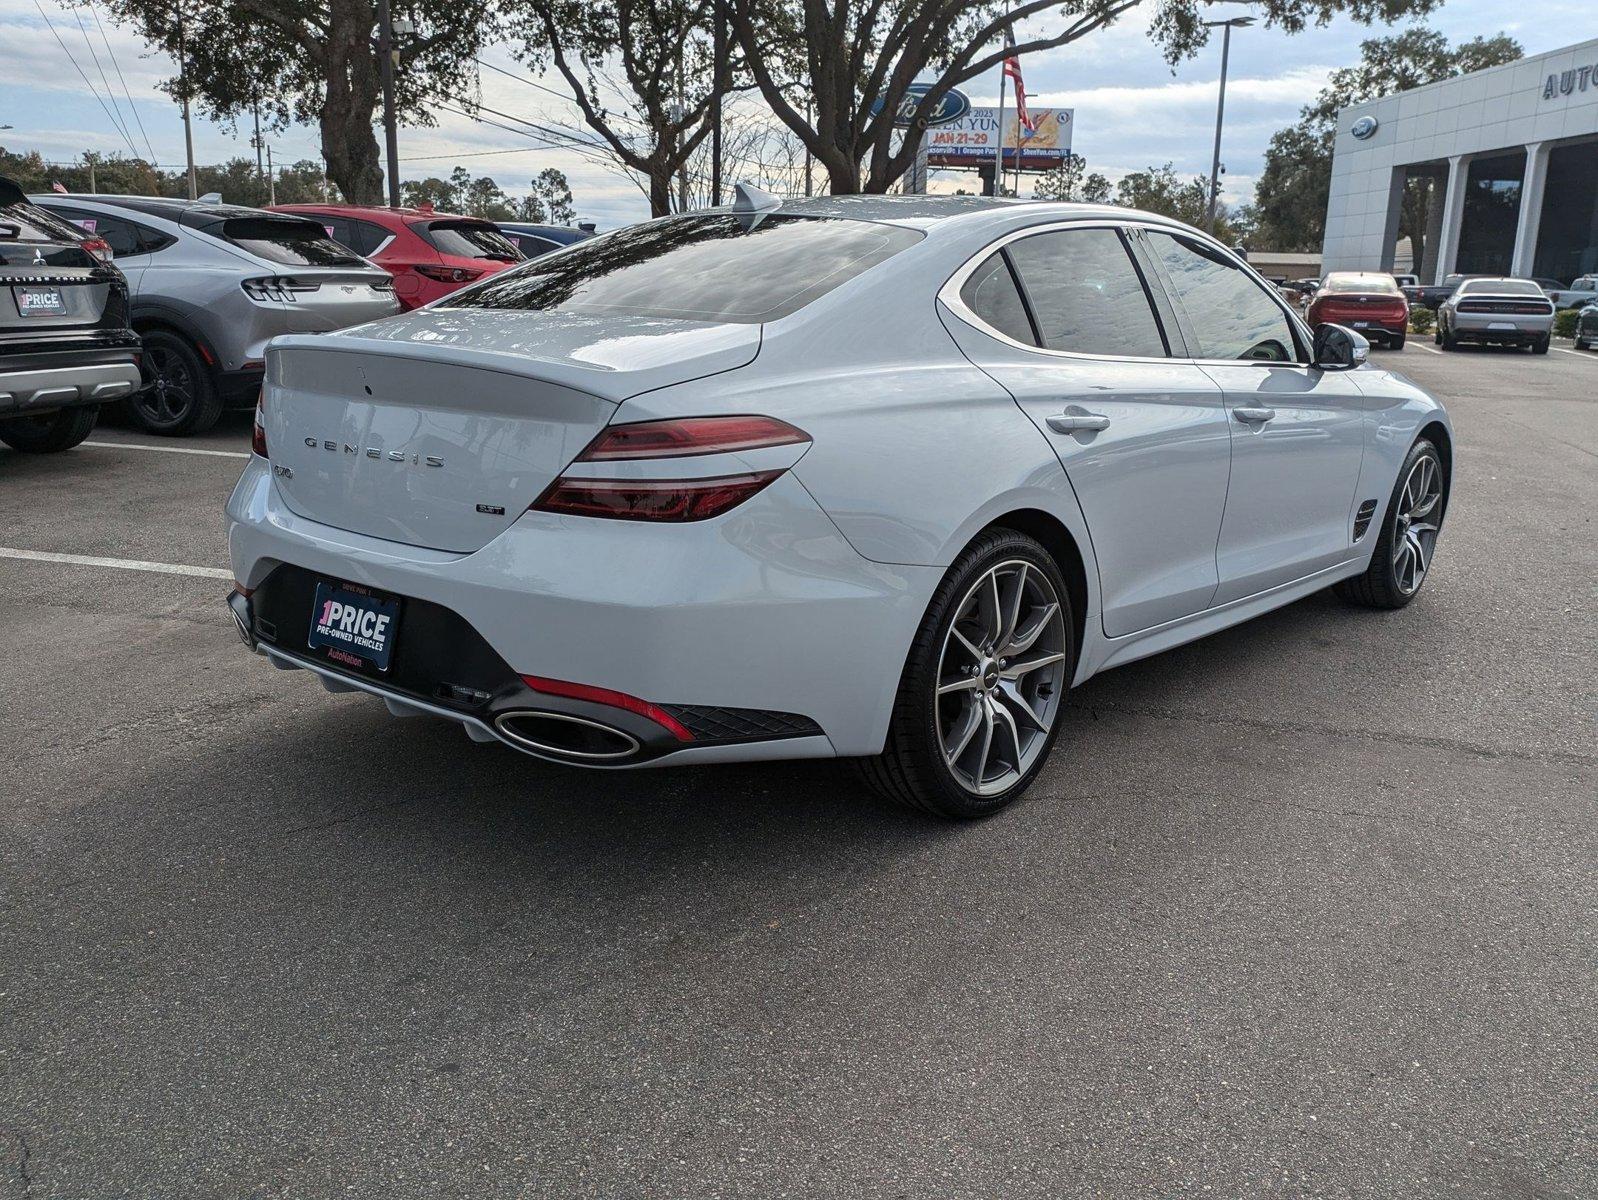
(1012, 71)
(56, 185)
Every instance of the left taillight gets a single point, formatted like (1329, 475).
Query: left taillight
(258, 434)
(99, 247)
(670, 498)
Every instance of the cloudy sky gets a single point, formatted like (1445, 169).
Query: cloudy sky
(1131, 109)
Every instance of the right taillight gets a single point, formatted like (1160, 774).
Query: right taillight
(448, 274)
(258, 434)
(670, 499)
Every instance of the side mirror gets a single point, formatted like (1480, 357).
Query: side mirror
(1338, 348)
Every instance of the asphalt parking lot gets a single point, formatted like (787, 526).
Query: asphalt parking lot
(1307, 908)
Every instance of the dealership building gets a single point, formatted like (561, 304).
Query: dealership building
(1513, 155)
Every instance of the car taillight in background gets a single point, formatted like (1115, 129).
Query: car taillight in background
(99, 247)
(670, 499)
(258, 434)
(276, 287)
(447, 274)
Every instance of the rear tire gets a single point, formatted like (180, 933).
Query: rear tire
(1540, 346)
(1445, 339)
(1402, 557)
(50, 433)
(182, 396)
(1397, 342)
(960, 744)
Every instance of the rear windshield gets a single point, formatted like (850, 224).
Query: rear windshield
(1501, 287)
(469, 239)
(1369, 284)
(697, 268)
(287, 240)
(25, 222)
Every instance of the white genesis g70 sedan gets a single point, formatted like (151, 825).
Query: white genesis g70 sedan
(874, 478)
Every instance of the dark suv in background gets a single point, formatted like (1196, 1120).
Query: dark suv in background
(65, 345)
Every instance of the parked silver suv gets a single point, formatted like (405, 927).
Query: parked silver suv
(211, 284)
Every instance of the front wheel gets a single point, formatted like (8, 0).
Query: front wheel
(979, 701)
(1402, 557)
(50, 433)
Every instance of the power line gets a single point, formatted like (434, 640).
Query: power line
(589, 150)
(70, 58)
(115, 62)
(94, 56)
(559, 95)
(483, 153)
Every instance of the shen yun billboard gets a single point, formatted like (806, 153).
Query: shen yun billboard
(969, 140)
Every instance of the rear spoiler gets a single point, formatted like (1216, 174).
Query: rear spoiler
(10, 193)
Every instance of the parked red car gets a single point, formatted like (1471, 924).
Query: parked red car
(1368, 301)
(429, 254)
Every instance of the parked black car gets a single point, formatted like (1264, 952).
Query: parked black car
(65, 345)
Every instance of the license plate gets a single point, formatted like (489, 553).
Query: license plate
(354, 626)
(1505, 325)
(39, 301)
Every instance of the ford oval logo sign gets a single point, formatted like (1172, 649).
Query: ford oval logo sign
(1364, 127)
(949, 109)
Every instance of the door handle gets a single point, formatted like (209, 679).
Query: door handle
(1254, 416)
(1078, 422)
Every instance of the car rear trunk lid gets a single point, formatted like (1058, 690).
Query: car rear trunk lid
(439, 428)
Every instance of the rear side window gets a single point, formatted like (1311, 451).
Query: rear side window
(993, 298)
(122, 236)
(367, 237)
(287, 240)
(697, 268)
(1086, 295)
(532, 246)
(469, 239)
(1231, 316)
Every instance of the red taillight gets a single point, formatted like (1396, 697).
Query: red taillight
(448, 274)
(98, 247)
(689, 436)
(258, 434)
(599, 695)
(651, 499)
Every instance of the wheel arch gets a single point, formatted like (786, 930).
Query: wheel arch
(150, 320)
(1437, 433)
(1051, 532)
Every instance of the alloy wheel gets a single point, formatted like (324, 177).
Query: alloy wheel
(1000, 677)
(1415, 526)
(170, 396)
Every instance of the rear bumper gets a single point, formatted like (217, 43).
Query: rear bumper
(46, 382)
(1500, 327)
(749, 627)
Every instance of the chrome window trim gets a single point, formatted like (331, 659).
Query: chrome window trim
(949, 294)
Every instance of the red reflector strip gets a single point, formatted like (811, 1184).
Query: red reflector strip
(651, 499)
(687, 436)
(621, 700)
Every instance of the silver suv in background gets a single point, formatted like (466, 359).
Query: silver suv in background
(211, 284)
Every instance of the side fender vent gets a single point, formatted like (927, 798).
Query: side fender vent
(1362, 519)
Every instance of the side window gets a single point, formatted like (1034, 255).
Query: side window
(366, 237)
(990, 293)
(122, 236)
(1230, 314)
(338, 228)
(1086, 295)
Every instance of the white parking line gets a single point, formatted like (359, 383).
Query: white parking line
(166, 449)
(1587, 354)
(1428, 349)
(125, 564)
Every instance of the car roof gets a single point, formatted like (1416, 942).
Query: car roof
(377, 210)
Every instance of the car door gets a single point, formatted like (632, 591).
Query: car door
(1298, 432)
(1062, 318)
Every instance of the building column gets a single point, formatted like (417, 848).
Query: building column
(1427, 266)
(1395, 208)
(1531, 209)
(1453, 215)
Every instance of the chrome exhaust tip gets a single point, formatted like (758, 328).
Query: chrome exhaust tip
(240, 608)
(560, 735)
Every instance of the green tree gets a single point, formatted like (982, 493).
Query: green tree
(1290, 195)
(430, 192)
(1071, 181)
(853, 63)
(553, 195)
(1161, 190)
(316, 61)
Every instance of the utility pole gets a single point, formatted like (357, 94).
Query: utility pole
(1220, 114)
(808, 160)
(998, 139)
(260, 170)
(719, 52)
(88, 157)
(271, 178)
(188, 125)
(386, 51)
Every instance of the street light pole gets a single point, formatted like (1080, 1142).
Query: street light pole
(385, 50)
(1220, 115)
(183, 90)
